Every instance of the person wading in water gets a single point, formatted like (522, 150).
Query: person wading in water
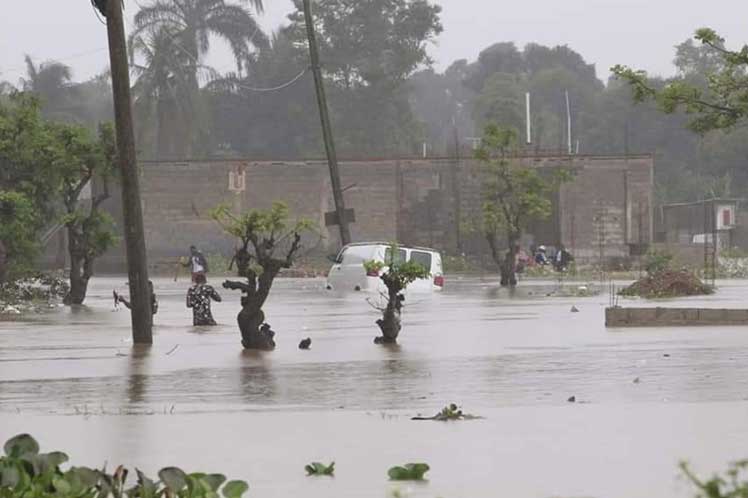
(198, 298)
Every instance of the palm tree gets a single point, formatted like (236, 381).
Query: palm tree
(191, 22)
(51, 82)
(172, 37)
(163, 90)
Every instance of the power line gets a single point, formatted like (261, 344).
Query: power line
(276, 88)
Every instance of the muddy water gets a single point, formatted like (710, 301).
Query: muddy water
(646, 397)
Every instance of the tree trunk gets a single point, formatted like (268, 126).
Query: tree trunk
(3, 262)
(255, 333)
(78, 282)
(390, 323)
(508, 266)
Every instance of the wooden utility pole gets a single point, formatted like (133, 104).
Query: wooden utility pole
(137, 268)
(332, 159)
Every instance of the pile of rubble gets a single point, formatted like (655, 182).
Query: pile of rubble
(668, 283)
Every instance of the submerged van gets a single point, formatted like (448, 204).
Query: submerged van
(348, 273)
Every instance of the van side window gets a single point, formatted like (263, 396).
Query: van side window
(399, 257)
(422, 258)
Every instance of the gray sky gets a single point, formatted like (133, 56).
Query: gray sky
(635, 32)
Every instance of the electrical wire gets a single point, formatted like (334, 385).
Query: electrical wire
(276, 88)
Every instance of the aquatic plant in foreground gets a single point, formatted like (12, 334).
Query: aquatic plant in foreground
(320, 469)
(409, 472)
(27, 473)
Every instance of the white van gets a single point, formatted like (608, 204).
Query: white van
(348, 273)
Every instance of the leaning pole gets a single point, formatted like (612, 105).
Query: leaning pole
(332, 159)
(137, 267)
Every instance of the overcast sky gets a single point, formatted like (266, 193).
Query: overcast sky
(635, 32)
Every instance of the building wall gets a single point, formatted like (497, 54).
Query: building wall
(413, 201)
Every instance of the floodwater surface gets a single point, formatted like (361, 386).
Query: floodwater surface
(645, 398)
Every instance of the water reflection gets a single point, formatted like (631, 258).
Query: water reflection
(257, 382)
(137, 375)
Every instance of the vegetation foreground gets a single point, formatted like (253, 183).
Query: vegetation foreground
(25, 472)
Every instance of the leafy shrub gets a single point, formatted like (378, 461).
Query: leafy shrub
(729, 486)
(320, 469)
(408, 472)
(27, 473)
(658, 261)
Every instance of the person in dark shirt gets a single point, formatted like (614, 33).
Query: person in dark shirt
(198, 298)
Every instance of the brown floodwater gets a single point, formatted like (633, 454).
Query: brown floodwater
(646, 398)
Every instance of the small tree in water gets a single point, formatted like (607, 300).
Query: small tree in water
(262, 234)
(398, 276)
(512, 195)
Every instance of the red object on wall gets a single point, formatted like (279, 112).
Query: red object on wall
(726, 217)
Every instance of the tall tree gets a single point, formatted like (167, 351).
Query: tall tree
(26, 158)
(163, 92)
(369, 49)
(512, 196)
(85, 164)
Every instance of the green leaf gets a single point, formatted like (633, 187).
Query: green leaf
(61, 485)
(320, 469)
(173, 478)
(234, 489)
(145, 488)
(215, 481)
(9, 476)
(408, 472)
(87, 478)
(21, 445)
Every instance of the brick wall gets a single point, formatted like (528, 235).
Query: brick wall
(409, 200)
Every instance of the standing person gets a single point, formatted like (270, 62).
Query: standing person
(198, 298)
(197, 263)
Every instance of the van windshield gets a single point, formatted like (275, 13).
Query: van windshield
(422, 258)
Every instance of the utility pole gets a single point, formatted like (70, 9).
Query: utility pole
(332, 159)
(137, 268)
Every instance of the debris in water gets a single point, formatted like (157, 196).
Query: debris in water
(449, 412)
(574, 309)
(572, 399)
(305, 343)
(666, 355)
(637, 380)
